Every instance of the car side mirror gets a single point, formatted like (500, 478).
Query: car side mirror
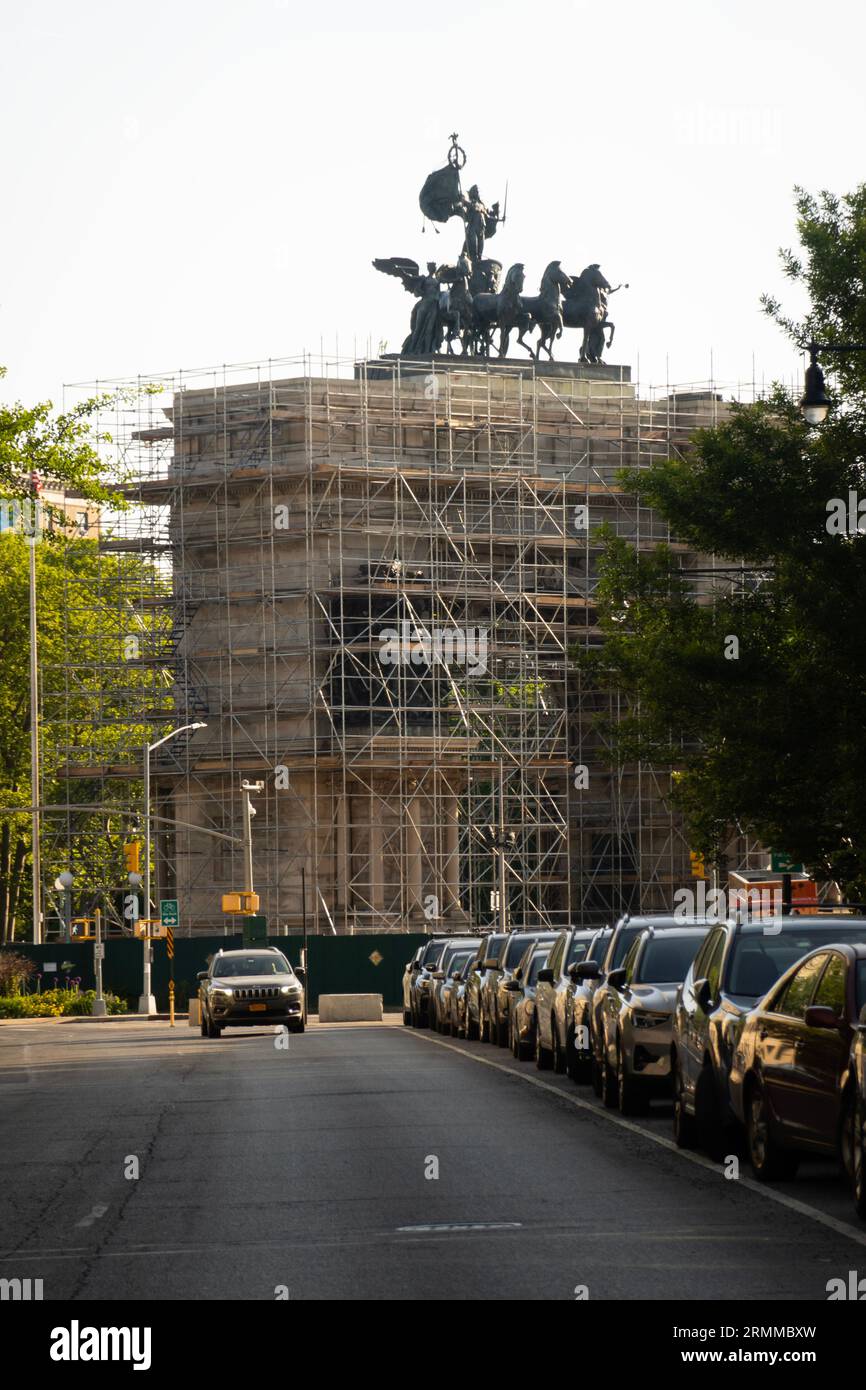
(703, 995)
(545, 976)
(457, 975)
(511, 985)
(202, 975)
(490, 965)
(438, 974)
(819, 1016)
(586, 970)
(301, 974)
(617, 978)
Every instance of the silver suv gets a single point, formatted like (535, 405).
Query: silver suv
(244, 989)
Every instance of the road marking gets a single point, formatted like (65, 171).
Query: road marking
(95, 1213)
(792, 1203)
(463, 1226)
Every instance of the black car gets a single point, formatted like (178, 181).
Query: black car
(247, 989)
(737, 965)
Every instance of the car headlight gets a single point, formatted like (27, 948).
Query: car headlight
(290, 989)
(224, 991)
(644, 1019)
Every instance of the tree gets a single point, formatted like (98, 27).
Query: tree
(769, 739)
(63, 450)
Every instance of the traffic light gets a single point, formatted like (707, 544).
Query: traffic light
(132, 856)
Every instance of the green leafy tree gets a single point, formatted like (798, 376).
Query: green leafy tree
(766, 736)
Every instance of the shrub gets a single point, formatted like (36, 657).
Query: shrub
(54, 1003)
(15, 971)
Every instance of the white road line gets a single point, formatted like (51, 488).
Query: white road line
(792, 1203)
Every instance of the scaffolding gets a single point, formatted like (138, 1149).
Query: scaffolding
(367, 581)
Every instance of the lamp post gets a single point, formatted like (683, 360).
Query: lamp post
(815, 403)
(501, 841)
(63, 883)
(147, 1003)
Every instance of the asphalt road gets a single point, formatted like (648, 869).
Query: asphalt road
(305, 1169)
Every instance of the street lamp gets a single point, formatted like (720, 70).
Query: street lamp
(147, 1003)
(63, 883)
(814, 402)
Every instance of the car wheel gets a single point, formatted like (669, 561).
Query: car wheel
(502, 1033)
(543, 1058)
(298, 1027)
(482, 1025)
(768, 1159)
(685, 1127)
(407, 1018)
(203, 1022)
(630, 1092)
(858, 1157)
(216, 1030)
(578, 1066)
(512, 1038)
(471, 1028)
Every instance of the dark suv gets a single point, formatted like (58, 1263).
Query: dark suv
(416, 980)
(244, 989)
(737, 965)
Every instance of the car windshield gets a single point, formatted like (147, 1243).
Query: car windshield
(433, 953)
(493, 949)
(666, 959)
(624, 940)
(759, 956)
(257, 964)
(514, 951)
(861, 985)
(460, 961)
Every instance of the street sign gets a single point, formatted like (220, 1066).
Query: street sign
(168, 913)
(99, 950)
(783, 864)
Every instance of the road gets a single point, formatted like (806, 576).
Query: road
(304, 1171)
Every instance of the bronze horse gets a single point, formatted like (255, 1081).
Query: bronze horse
(504, 311)
(545, 308)
(585, 307)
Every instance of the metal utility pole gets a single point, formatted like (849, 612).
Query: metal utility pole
(99, 1006)
(147, 1002)
(249, 812)
(34, 742)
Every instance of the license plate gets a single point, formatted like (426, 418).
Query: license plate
(257, 1008)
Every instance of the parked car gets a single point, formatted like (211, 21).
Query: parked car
(426, 952)
(578, 1006)
(449, 994)
(522, 991)
(637, 1016)
(791, 1083)
(456, 954)
(246, 989)
(626, 931)
(486, 962)
(737, 965)
(858, 1075)
(421, 982)
(557, 975)
(496, 1002)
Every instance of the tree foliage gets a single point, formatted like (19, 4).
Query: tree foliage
(772, 742)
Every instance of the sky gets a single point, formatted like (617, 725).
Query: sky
(194, 183)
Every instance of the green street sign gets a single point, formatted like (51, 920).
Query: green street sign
(783, 864)
(168, 913)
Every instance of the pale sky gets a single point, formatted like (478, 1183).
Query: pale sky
(199, 182)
